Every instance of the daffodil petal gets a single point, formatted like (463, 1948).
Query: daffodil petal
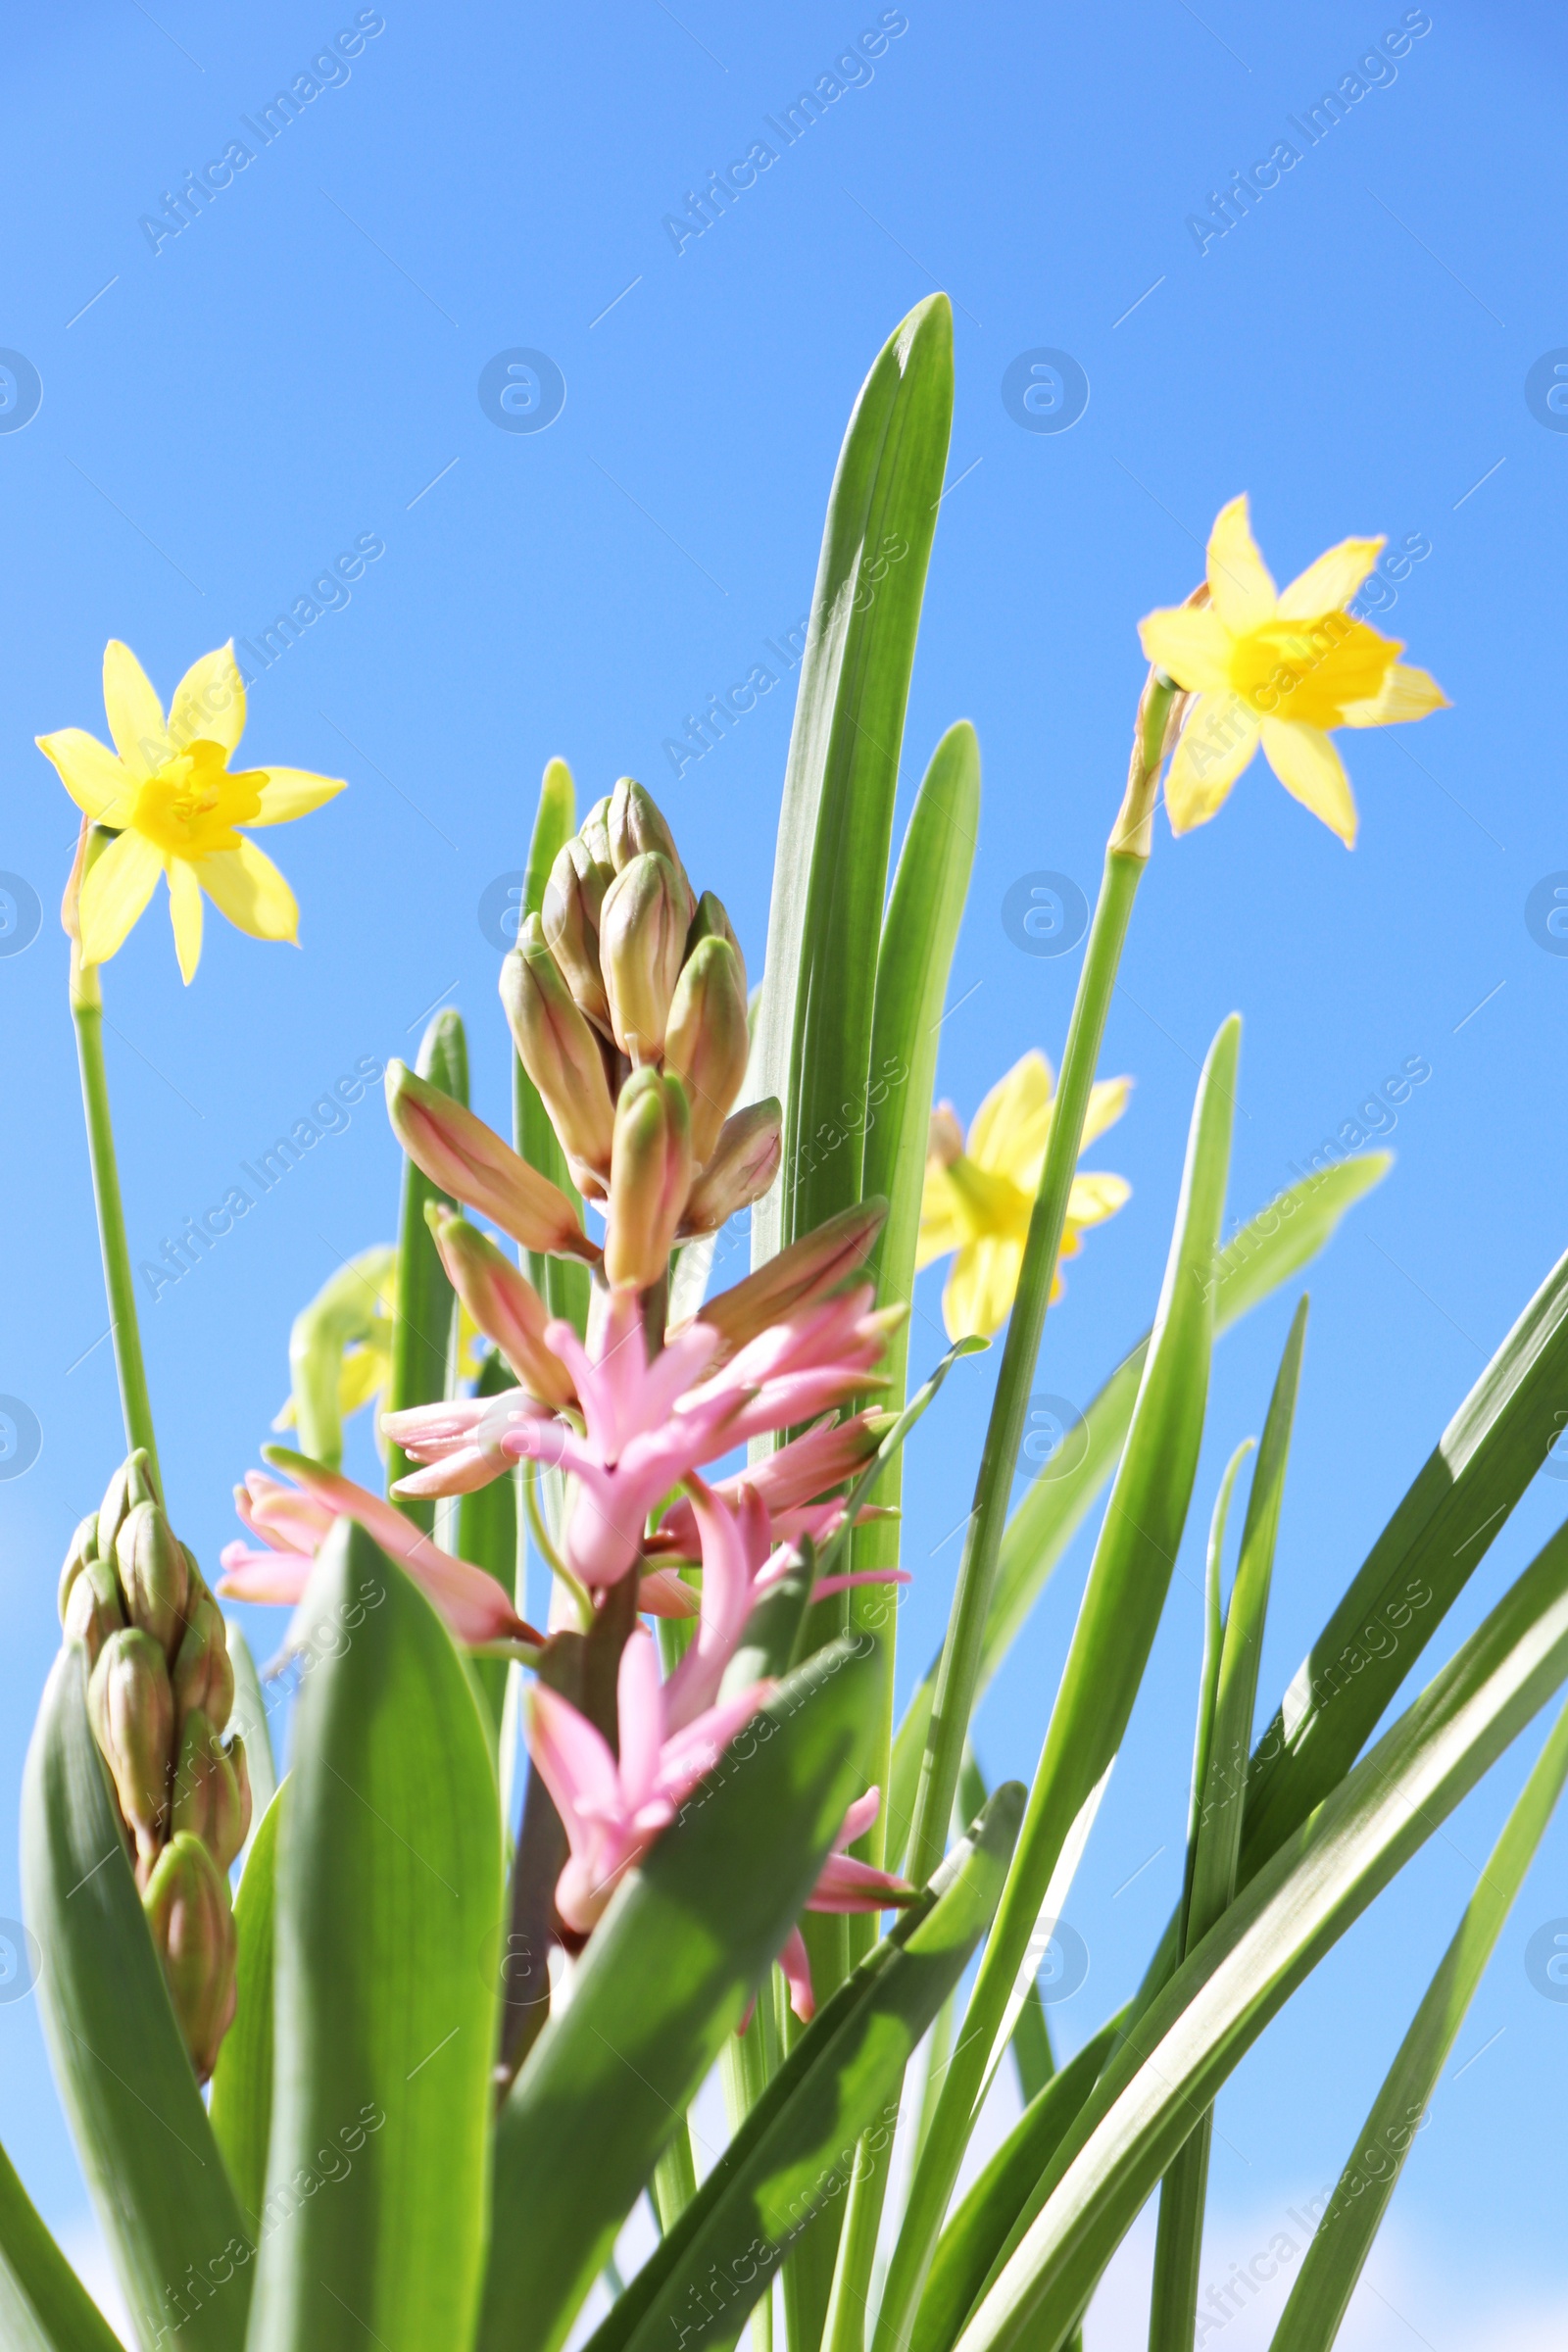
(1012, 1123)
(87, 769)
(1107, 1099)
(245, 885)
(1328, 586)
(1407, 693)
(1094, 1197)
(1311, 769)
(980, 1289)
(115, 893)
(134, 714)
(1217, 742)
(291, 792)
(185, 913)
(1239, 580)
(209, 704)
(1189, 644)
(360, 1376)
(942, 1229)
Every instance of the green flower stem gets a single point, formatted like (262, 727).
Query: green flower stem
(88, 1011)
(1126, 856)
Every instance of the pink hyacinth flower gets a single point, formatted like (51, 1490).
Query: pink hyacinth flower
(611, 1807)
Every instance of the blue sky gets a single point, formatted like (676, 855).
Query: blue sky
(297, 373)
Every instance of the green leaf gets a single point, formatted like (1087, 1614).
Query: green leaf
(667, 1975)
(1324, 2284)
(1267, 1250)
(43, 2305)
(242, 2081)
(162, 2194)
(248, 1717)
(814, 1043)
(388, 1895)
(1177, 2054)
(487, 1538)
(562, 1284)
(424, 1324)
(1128, 1580)
(802, 2142)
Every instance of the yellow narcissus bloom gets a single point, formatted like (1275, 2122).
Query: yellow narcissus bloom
(173, 805)
(1278, 670)
(980, 1194)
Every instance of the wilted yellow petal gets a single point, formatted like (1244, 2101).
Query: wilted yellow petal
(185, 913)
(1189, 644)
(88, 768)
(1093, 1198)
(1107, 1099)
(1012, 1123)
(208, 704)
(980, 1289)
(245, 885)
(1407, 693)
(117, 889)
(291, 792)
(1217, 742)
(134, 714)
(1239, 579)
(1328, 586)
(1309, 768)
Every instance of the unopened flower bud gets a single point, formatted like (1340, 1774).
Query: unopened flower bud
(642, 942)
(504, 1303)
(212, 1789)
(650, 1177)
(636, 823)
(154, 1576)
(94, 1610)
(131, 1708)
(574, 897)
(84, 1547)
(468, 1160)
(203, 1677)
(561, 1054)
(132, 1483)
(710, 921)
(186, 1903)
(594, 833)
(799, 1276)
(744, 1163)
(707, 1042)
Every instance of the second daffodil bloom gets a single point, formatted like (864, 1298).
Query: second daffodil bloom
(980, 1194)
(1278, 670)
(167, 794)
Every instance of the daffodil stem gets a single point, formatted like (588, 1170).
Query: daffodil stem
(86, 1006)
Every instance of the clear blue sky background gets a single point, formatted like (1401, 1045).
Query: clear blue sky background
(300, 367)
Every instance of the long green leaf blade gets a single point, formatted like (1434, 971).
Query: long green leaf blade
(242, 2080)
(560, 1282)
(424, 1323)
(669, 1973)
(1116, 1630)
(43, 2305)
(388, 1899)
(1324, 2284)
(158, 2182)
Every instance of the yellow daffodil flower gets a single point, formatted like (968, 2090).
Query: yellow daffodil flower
(341, 1351)
(173, 805)
(979, 1194)
(1277, 671)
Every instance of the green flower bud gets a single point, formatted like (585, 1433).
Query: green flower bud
(561, 1054)
(574, 897)
(154, 1575)
(212, 1789)
(636, 823)
(707, 1042)
(642, 942)
(131, 1708)
(468, 1159)
(594, 833)
(132, 1483)
(94, 1610)
(744, 1165)
(650, 1177)
(186, 1903)
(710, 921)
(84, 1547)
(203, 1676)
